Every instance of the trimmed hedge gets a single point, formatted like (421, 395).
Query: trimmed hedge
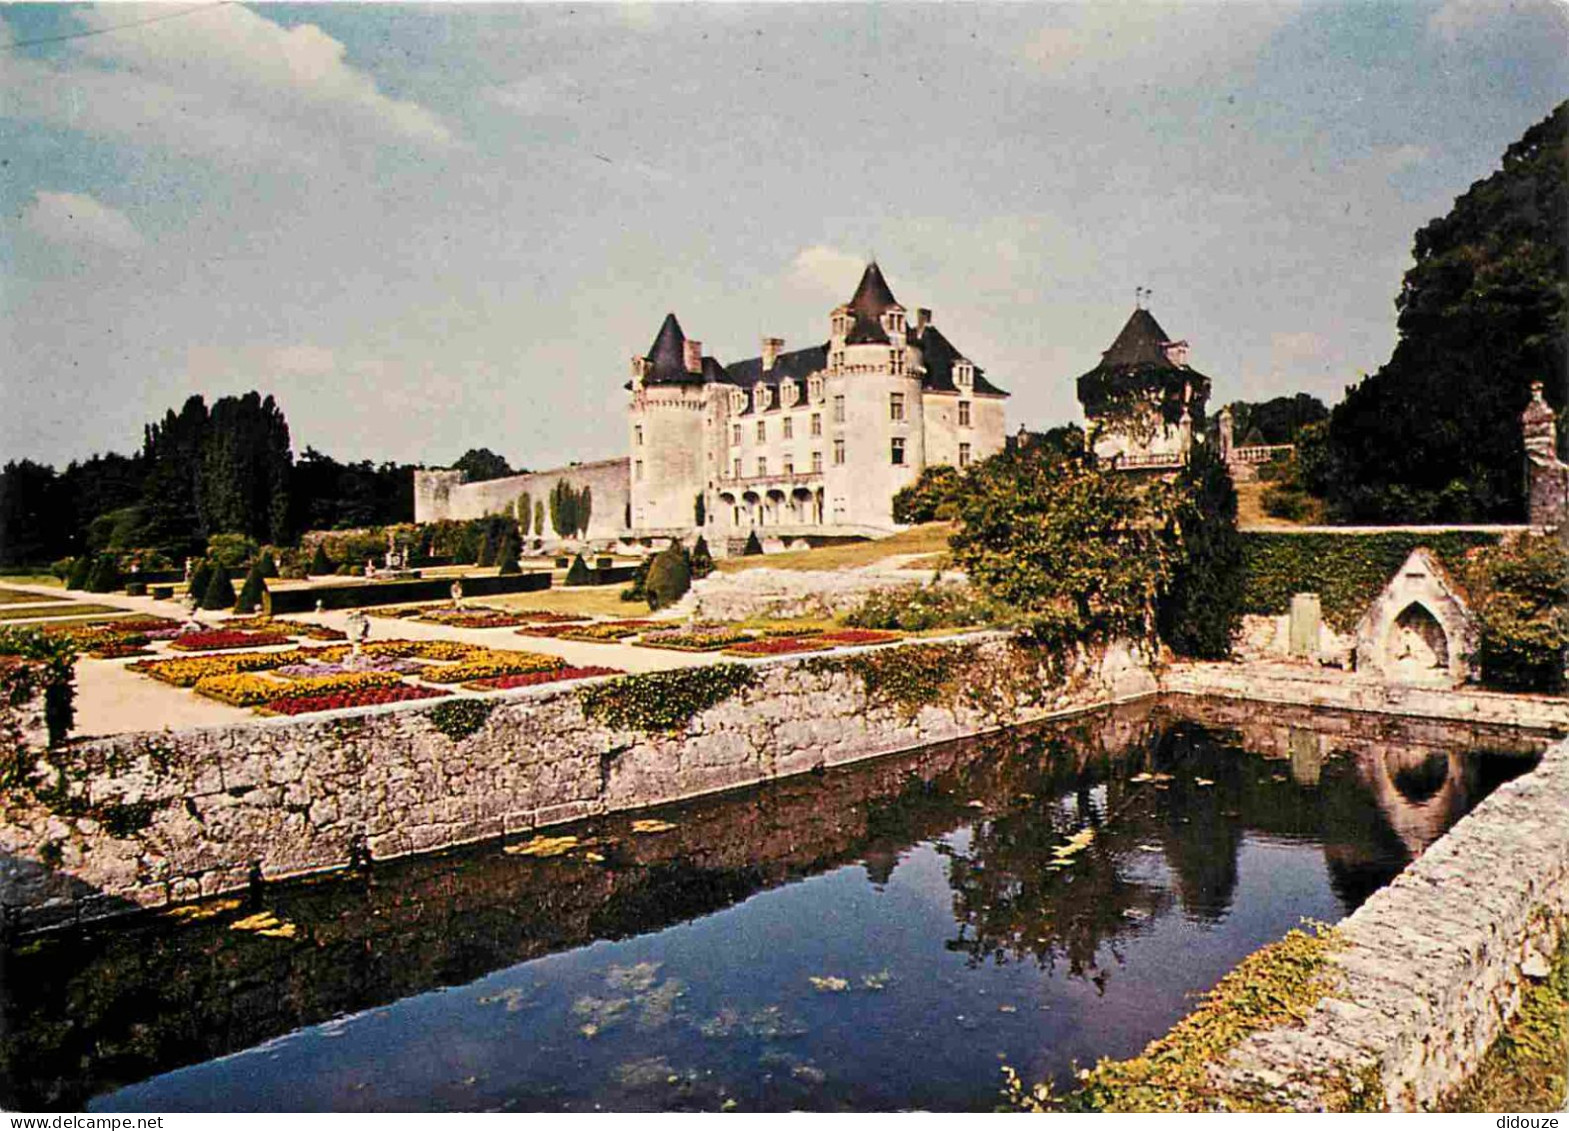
(1345, 570)
(397, 592)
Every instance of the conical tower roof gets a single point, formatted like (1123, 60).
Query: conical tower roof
(1141, 342)
(667, 356)
(872, 299)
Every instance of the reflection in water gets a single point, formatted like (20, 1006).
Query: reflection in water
(872, 937)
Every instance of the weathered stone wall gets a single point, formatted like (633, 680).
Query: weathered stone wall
(442, 494)
(285, 797)
(767, 592)
(1434, 964)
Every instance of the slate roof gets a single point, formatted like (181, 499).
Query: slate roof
(667, 358)
(797, 364)
(1140, 346)
(939, 355)
(872, 299)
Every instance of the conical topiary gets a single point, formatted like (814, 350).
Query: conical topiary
(507, 555)
(753, 545)
(81, 570)
(105, 575)
(252, 592)
(669, 577)
(321, 564)
(579, 573)
(487, 547)
(267, 564)
(219, 593)
(200, 576)
(702, 559)
(638, 590)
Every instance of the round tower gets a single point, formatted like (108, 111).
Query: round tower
(666, 420)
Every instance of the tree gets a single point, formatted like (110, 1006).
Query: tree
(564, 509)
(1276, 421)
(578, 572)
(669, 577)
(1078, 550)
(638, 590)
(584, 509)
(933, 495)
(321, 564)
(81, 570)
(1201, 609)
(525, 510)
(35, 514)
(267, 564)
(753, 547)
(201, 575)
(219, 593)
(1434, 435)
(539, 519)
(253, 591)
(488, 547)
(699, 510)
(105, 576)
(481, 464)
(507, 553)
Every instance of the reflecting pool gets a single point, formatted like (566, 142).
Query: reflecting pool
(883, 936)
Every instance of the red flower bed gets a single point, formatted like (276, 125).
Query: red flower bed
(533, 679)
(364, 697)
(220, 639)
(778, 646)
(861, 636)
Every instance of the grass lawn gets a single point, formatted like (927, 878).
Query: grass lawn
(22, 597)
(48, 579)
(583, 600)
(1250, 510)
(57, 610)
(928, 538)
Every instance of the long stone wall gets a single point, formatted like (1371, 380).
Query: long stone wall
(216, 806)
(444, 495)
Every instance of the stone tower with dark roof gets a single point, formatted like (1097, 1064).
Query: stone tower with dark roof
(1144, 402)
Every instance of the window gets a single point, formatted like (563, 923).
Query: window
(964, 455)
(896, 362)
(964, 414)
(762, 465)
(898, 451)
(762, 431)
(815, 386)
(735, 433)
(738, 467)
(737, 401)
(838, 452)
(640, 469)
(789, 392)
(964, 374)
(789, 465)
(817, 461)
(896, 407)
(789, 428)
(839, 409)
(639, 431)
(817, 424)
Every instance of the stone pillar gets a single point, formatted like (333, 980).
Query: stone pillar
(1546, 476)
(1305, 619)
(1223, 434)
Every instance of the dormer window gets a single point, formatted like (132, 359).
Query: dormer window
(963, 374)
(789, 393)
(737, 401)
(893, 322)
(815, 388)
(639, 371)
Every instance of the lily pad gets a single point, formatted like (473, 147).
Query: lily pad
(543, 846)
(829, 984)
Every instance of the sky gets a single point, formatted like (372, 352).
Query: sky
(436, 227)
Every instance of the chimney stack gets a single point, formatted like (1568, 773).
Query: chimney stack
(923, 318)
(772, 347)
(694, 356)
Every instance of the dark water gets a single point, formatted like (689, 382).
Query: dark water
(882, 937)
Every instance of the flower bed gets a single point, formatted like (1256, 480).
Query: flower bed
(243, 690)
(118, 650)
(402, 649)
(185, 672)
(534, 679)
(778, 646)
(861, 636)
(606, 630)
(221, 639)
(487, 664)
(680, 641)
(475, 619)
(292, 627)
(789, 630)
(400, 612)
(554, 631)
(337, 701)
(364, 664)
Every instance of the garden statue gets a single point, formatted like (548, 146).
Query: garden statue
(358, 629)
(457, 593)
(321, 606)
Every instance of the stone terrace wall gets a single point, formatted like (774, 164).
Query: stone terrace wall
(286, 797)
(764, 592)
(1434, 963)
(441, 494)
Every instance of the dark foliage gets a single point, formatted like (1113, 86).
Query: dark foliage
(81, 570)
(932, 496)
(702, 561)
(1521, 594)
(481, 464)
(1201, 609)
(753, 547)
(1434, 435)
(321, 564)
(638, 590)
(219, 593)
(253, 593)
(105, 575)
(201, 575)
(669, 577)
(1276, 421)
(578, 573)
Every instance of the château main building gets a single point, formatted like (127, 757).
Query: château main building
(808, 440)
(791, 442)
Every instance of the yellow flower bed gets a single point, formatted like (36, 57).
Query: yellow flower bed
(241, 690)
(188, 672)
(485, 663)
(401, 650)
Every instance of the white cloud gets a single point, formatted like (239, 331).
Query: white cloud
(827, 269)
(76, 218)
(223, 80)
